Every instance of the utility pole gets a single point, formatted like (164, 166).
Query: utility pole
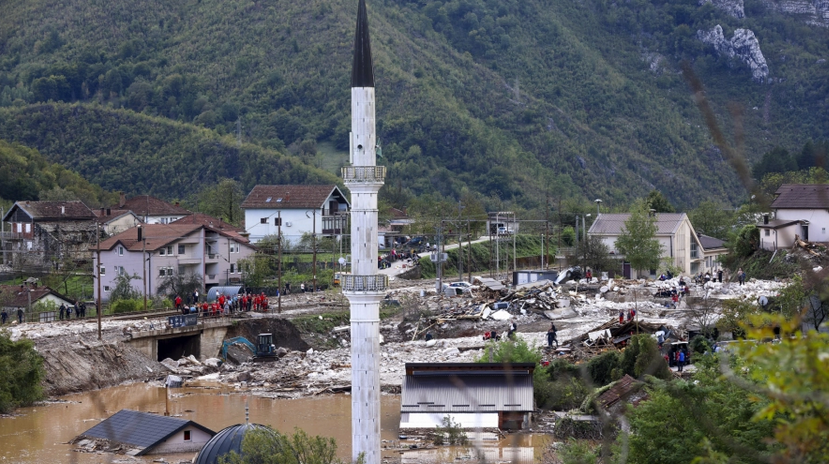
(98, 272)
(314, 245)
(3, 234)
(469, 251)
(279, 242)
(143, 262)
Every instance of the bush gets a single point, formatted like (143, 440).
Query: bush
(700, 344)
(604, 368)
(450, 434)
(127, 306)
(21, 370)
(563, 394)
(642, 357)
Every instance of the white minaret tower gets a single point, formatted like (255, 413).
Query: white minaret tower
(364, 287)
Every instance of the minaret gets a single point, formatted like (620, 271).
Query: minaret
(364, 287)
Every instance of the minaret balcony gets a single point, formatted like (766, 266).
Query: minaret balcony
(364, 174)
(365, 283)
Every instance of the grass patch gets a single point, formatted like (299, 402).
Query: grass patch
(321, 323)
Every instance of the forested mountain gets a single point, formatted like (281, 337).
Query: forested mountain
(513, 99)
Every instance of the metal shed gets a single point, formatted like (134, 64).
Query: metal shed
(486, 395)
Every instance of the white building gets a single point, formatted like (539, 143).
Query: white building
(801, 210)
(151, 210)
(679, 242)
(158, 251)
(304, 209)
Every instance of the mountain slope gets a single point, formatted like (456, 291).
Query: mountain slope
(512, 99)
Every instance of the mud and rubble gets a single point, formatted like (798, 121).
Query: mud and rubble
(75, 360)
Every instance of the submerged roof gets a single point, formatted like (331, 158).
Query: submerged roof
(362, 71)
(802, 196)
(613, 224)
(228, 439)
(140, 429)
(467, 387)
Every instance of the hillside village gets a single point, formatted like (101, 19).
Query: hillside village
(593, 313)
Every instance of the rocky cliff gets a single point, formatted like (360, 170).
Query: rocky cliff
(815, 12)
(734, 8)
(743, 45)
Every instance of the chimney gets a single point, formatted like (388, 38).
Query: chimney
(109, 212)
(765, 219)
(176, 203)
(122, 200)
(102, 210)
(140, 234)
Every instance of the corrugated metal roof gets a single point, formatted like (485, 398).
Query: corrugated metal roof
(467, 393)
(613, 224)
(138, 428)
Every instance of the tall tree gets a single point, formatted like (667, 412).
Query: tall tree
(222, 200)
(657, 202)
(638, 239)
(712, 218)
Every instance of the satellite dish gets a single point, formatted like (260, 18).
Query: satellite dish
(763, 301)
(341, 261)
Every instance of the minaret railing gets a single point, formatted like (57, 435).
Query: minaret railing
(364, 174)
(365, 283)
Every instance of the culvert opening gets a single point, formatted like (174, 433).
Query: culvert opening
(179, 347)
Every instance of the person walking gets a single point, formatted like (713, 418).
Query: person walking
(19, 316)
(741, 276)
(681, 361)
(62, 310)
(512, 328)
(552, 335)
(4, 315)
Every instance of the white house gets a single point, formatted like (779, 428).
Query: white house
(680, 244)
(163, 250)
(116, 221)
(304, 209)
(151, 210)
(800, 210)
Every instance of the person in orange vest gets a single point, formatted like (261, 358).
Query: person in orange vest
(264, 302)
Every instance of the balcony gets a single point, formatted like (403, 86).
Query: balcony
(212, 258)
(335, 224)
(362, 283)
(364, 174)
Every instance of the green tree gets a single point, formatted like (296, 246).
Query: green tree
(657, 202)
(637, 241)
(777, 159)
(712, 218)
(180, 284)
(267, 446)
(222, 200)
(123, 289)
(21, 371)
(594, 254)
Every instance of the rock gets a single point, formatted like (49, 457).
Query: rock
(243, 377)
(735, 8)
(282, 351)
(212, 362)
(170, 364)
(813, 12)
(743, 45)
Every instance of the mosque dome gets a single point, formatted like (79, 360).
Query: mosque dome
(228, 439)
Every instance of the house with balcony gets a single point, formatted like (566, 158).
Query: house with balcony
(681, 246)
(48, 234)
(800, 210)
(303, 209)
(152, 253)
(151, 210)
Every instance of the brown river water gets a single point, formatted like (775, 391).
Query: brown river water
(41, 434)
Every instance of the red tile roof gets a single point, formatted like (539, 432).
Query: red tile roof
(155, 236)
(802, 196)
(148, 205)
(207, 221)
(18, 297)
(288, 196)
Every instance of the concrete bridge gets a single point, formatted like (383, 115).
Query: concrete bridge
(203, 340)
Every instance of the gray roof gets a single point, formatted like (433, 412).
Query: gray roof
(228, 439)
(467, 390)
(710, 243)
(613, 224)
(53, 210)
(140, 429)
(777, 223)
(802, 196)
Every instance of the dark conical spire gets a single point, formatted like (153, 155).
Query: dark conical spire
(362, 73)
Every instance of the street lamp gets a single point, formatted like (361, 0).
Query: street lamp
(598, 202)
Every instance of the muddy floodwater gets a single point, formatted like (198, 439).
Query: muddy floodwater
(41, 434)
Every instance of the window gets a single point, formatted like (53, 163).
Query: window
(186, 435)
(165, 271)
(768, 232)
(103, 270)
(232, 268)
(263, 221)
(162, 251)
(28, 228)
(170, 250)
(119, 270)
(19, 228)
(182, 249)
(234, 247)
(120, 250)
(106, 288)
(694, 250)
